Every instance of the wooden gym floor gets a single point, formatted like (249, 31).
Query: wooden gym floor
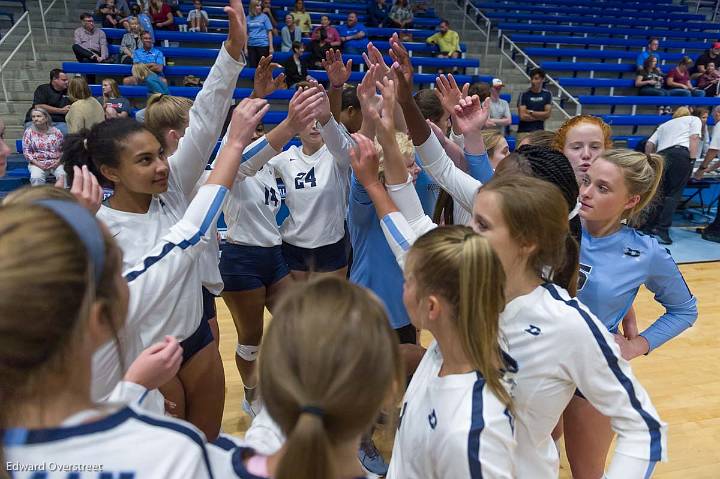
(682, 378)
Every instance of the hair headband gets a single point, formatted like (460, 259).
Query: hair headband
(85, 226)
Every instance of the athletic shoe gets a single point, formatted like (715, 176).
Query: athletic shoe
(252, 408)
(664, 237)
(371, 459)
(710, 235)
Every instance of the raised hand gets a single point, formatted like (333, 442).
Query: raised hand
(471, 115)
(245, 119)
(338, 73)
(304, 107)
(402, 67)
(386, 123)
(374, 57)
(448, 92)
(364, 161)
(323, 108)
(236, 42)
(85, 188)
(264, 84)
(366, 90)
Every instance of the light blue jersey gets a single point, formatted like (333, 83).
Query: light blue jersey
(374, 265)
(613, 267)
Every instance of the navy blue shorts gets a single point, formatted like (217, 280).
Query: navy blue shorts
(324, 259)
(250, 267)
(197, 341)
(209, 310)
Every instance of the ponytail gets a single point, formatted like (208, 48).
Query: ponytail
(444, 212)
(75, 153)
(308, 439)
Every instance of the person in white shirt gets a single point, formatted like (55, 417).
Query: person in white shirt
(316, 176)
(678, 141)
(310, 385)
(252, 265)
(86, 300)
(500, 116)
(151, 193)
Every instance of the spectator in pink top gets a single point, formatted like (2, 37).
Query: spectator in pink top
(42, 147)
(323, 38)
(678, 80)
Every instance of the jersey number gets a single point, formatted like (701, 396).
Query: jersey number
(303, 179)
(583, 275)
(270, 196)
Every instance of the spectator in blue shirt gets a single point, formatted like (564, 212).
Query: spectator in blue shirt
(377, 13)
(652, 49)
(352, 30)
(260, 34)
(149, 56)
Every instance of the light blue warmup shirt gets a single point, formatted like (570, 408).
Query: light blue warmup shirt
(258, 28)
(613, 267)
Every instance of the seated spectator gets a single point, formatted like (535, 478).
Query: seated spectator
(260, 34)
(302, 18)
(401, 15)
(90, 44)
(290, 33)
(131, 41)
(323, 38)
(52, 97)
(175, 8)
(198, 18)
(500, 116)
(147, 55)
(678, 80)
(42, 147)
(85, 111)
(110, 14)
(267, 10)
(161, 15)
(709, 81)
(534, 105)
(710, 55)
(447, 41)
(650, 79)
(120, 5)
(143, 18)
(377, 13)
(295, 67)
(652, 49)
(143, 76)
(352, 30)
(115, 105)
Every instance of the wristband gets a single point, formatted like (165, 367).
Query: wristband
(338, 87)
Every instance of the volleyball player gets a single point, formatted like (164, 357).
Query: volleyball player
(582, 139)
(85, 303)
(253, 268)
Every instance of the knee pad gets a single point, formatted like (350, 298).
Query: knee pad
(247, 352)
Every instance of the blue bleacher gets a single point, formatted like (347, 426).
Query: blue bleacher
(583, 11)
(666, 6)
(539, 19)
(604, 30)
(601, 54)
(630, 43)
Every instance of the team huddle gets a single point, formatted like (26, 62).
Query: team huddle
(523, 267)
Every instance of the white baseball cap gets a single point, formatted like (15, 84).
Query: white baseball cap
(497, 82)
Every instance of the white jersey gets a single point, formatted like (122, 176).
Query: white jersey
(451, 426)
(121, 443)
(153, 284)
(254, 199)
(317, 189)
(559, 346)
(136, 234)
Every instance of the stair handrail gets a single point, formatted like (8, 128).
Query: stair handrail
(28, 36)
(44, 11)
(484, 29)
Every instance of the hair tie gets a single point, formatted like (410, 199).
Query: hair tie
(575, 210)
(314, 410)
(85, 144)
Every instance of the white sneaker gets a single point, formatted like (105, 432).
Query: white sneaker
(252, 408)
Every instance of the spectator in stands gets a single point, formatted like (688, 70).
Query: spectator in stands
(85, 111)
(534, 105)
(295, 67)
(302, 18)
(52, 97)
(649, 79)
(143, 76)
(703, 114)
(120, 5)
(115, 105)
(447, 41)
(90, 44)
(131, 41)
(148, 55)
(401, 15)
(678, 80)
(500, 116)
(652, 49)
(198, 18)
(323, 38)
(110, 14)
(161, 15)
(4, 150)
(677, 141)
(290, 33)
(377, 13)
(710, 55)
(260, 34)
(42, 147)
(712, 231)
(352, 30)
(709, 81)
(267, 10)
(143, 18)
